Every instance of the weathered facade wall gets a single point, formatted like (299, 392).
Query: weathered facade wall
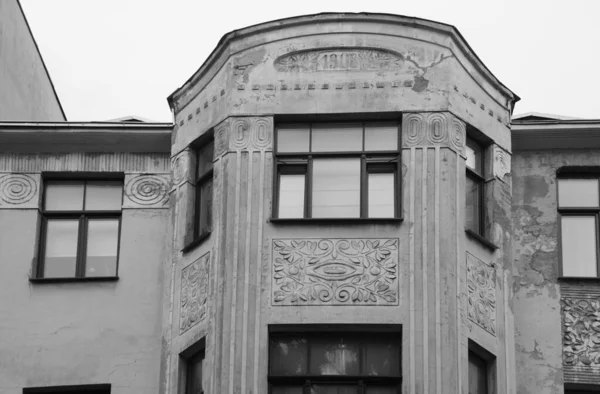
(240, 269)
(56, 334)
(537, 291)
(27, 93)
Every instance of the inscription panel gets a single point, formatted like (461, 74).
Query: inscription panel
(335, 272)
(481, 286)
(194, 293)
(340, 59)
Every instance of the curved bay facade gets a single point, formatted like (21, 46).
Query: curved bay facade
(337, 152)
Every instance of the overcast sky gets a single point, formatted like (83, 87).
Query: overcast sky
(112, 58)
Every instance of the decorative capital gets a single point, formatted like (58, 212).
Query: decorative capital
(19, 190)
(433, 129)
(244, 134)
(328, 271)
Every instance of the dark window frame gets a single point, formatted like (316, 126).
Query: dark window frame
(577, 211)
(189, 355)
(360, 381)
(87, 388)
(368, 160)
(479, 179)
(490, 365)
(83, 217)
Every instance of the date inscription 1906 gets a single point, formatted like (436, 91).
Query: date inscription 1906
(350, 59)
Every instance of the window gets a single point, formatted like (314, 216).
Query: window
(80, 389)
(337, 170)
(192, 362)
(482, 370)
(81, 222)
(578, 207)
(204, 190)
(474, 188)
(335, 363)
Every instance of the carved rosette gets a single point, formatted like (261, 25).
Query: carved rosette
(194, 293)
(433, 129)
(501, 162)
(19, 190)
(335, 272)
(581, 333)
(481, 286)
(146, 191)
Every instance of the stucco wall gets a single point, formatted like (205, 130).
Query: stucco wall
(27, 93)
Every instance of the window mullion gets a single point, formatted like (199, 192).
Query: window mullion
(308, 187)
(81, 238)
(597, 246)
(364, 185)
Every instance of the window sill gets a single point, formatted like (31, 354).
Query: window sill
(73, 280)
(579, 279)
(481, 239)
(335, 220)
(192, 245)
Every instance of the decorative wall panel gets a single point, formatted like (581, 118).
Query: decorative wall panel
(194, 293)
(340, 59)
(481, 285)
(146, 191)
(19, 190)
(335, 272)
(433, 129)
(501, 162)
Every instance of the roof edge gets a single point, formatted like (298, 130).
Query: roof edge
(226, 40)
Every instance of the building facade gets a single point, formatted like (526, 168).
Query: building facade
(341, 206)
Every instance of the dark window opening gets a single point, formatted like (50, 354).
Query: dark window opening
(204, 190)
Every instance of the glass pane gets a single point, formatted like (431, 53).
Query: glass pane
(334, 356)
(287, 390)
(64, 196)
(578, 245)
(288, 356)
(472, 208)
(577, 193)
(334, 389)
(205, 207)
(291, 195)
(382, 390)
(477, 375)
(101, 250)
(205, 158)
(293, 138)
(382, 358)
(381, 195)
(103, 195)
(381, 136)
(341, 137)
(61, 248)
(194, 378)
(474, 156)
(336, 188)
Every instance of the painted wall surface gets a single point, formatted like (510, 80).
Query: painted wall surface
(27, 93)
(55, 334)
(537, 292)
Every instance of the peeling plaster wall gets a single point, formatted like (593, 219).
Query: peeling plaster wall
(536, 266)
(27, 93)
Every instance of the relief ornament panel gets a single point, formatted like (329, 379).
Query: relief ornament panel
(335, 272)
(19, 190)
(581, 332)
(194, 293)
(340, 59)
(481, 286)
(146, 191)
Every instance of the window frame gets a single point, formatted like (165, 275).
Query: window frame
(479, 179)
(579, 212)
(360, 381)
(83, 216)
(367, 159)
(207, 177)
(197, 350)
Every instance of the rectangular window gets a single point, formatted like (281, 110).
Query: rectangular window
(474, 188)
(337, 170)
(204, 190)
(308, 363)
(482, 370)
(192, 364)
(81, 222)
(579, 206)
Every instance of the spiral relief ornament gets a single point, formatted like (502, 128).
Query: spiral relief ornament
(146, 191)
(413, 130)
(17, 189)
